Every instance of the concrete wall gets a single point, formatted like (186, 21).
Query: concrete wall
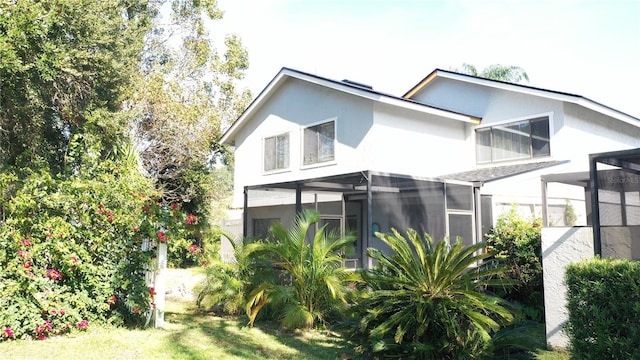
(561, 246)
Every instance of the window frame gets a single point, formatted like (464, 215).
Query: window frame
(287, 156)
(318, 163)
(532, 138)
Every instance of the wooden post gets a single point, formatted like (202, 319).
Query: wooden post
(160, 286)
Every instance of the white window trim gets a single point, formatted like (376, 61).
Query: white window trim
(515, 120)
(335, 143)
(274, 171)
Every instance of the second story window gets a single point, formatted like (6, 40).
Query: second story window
(319, 143)
(276, 152)
(519, 140)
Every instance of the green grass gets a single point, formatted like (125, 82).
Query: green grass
(187, 335)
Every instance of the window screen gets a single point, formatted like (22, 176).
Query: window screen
(319, 143)
(276, 152)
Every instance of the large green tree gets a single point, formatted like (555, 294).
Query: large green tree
(63, 67)
(187, 95)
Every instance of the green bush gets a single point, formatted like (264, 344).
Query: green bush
(76, 250)
(307, 282)
(604, 309)
(517, 242)
(426, 301)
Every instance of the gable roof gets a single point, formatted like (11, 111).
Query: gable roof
(525, 89)
(348, 87)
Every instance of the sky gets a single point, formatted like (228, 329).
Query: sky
(585, 47)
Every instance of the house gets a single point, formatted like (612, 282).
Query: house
(446, 158)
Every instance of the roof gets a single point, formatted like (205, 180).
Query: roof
(525, 89)
(488, 174)
(348, 87)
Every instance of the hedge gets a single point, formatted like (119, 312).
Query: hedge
(604, 309)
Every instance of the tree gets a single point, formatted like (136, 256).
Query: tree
(63, 65)
(184, 99)
(427, 300)
(512, 74)
(314, 282)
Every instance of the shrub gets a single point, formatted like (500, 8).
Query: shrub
(307, 281)
(517, 242)
(603, 303)
(426, 300)
(76, 250)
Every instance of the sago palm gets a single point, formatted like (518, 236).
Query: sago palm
(313, 281)
(426, 300)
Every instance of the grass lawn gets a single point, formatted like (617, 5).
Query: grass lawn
(189, 334)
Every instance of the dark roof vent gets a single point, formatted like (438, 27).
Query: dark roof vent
(354, 83)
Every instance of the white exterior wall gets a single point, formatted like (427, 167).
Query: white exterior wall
(561, 246)
(417, 144)
(296, 105)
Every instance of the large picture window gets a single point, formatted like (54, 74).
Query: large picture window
(276, 152)
(513, 141)
(319, 143)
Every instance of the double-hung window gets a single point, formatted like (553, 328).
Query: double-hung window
(519, 140)
(319, 143)
(276, 152)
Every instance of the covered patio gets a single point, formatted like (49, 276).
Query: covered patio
(365, 202)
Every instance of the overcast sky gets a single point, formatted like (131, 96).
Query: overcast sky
(587, 47)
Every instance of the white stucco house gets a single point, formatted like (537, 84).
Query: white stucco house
(447, 157)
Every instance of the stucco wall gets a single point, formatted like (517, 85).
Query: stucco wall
(560, 247)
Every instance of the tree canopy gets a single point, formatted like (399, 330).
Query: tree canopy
(512, 74)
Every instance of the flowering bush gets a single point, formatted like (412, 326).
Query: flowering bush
(75, 251)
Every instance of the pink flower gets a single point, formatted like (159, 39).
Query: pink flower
(191, 219)
(162, 236)
(152, 291)
(7, 332)
(54, 274)
(61, 312)
(22, 254)
(84, 324)
(74, 258)
(110, 215)
(194, 248)
(53, 312)
(27, 265)
(42, 337)
(25, 242)
(174, 206)
(135, 229)
(112, 300)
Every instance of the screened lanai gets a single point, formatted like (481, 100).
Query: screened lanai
(365, 202)
(613, 183)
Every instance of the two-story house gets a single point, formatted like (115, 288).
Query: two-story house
(445, 158)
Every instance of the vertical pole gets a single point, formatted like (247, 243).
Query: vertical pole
(369, 232)
(245, 213)
(160, 285)
(298, 198)
(545, 205)
(595, 205)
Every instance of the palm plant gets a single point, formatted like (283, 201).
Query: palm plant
(224, 282)
(426, 301)
(313, 283)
